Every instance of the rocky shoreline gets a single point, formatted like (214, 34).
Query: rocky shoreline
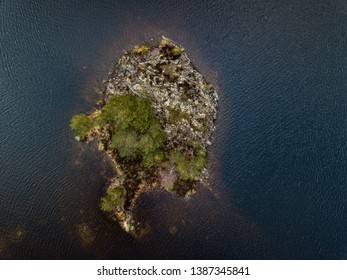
(184, 108)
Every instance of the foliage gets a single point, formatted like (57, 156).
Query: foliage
(114, 198)
(137, 131)
(141, 50)
(152, 140)
(176, 52)
(189, 169)
(208, 86)
(125, 142)
(81, 124)
(123, 111)
(153, 158)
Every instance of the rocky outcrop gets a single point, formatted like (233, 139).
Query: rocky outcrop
(185, 105)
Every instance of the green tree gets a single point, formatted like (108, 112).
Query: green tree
(114, 198)
(125, 111)
(125, 142)
(189, 169)
(150, 145)
(153, 158)
(137, 133)
(81, 124)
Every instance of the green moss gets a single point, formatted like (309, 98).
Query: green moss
(81, 124)
(140, 50)
(113, 199)
(176, 52)
(170, 188)
(208, 86)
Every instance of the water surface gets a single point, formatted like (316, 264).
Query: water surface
(279, 153)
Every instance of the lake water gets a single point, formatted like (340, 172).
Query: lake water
(279, 157)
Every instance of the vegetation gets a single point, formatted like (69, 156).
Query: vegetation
(125, 142)
(176, 52)
(137, 133)
(164, 42)
(114, 198)
(189, 169)
(140, 50)
(208, 86)
(81, 124)
(144, 156)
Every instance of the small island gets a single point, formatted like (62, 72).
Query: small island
(155, 122)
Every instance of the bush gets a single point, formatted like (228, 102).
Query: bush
(153, 158)
(140, 50)
(137, 132)
(189, 169)
(113, 199)
(176, 52)
(125, 142)
(81, 124)
(152, 140)
(123, 111)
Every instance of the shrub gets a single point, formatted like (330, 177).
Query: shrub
(81, 124)
(176, 52)
(153, 158)
(189, 169)
(137, 132)
(140, 50)
(125, 111)
(152, 140)
(113, 199)
(125, 142)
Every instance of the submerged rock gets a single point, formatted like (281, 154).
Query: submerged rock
(168, 151)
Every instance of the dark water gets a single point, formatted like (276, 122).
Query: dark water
(280, 150)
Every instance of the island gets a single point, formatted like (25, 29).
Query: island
(155, 122)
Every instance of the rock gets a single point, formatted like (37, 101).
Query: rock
(185, 105)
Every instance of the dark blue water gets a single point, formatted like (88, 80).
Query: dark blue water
(280, 149)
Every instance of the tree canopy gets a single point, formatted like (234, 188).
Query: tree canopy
(137, 132)
(188, 169)
(114, 198)
(81, 124)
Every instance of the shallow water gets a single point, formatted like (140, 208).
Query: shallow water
(279, 153)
